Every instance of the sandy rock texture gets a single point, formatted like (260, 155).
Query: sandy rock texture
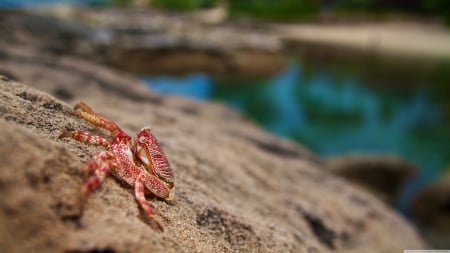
(238, 189)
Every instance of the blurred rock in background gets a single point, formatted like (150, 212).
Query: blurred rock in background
(430, 209)
(383, 175)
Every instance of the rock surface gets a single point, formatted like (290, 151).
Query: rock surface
(238, 189)
(430, 208)
(384, 175)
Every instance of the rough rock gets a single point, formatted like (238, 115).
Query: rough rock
(384, 175)
(238, 189)
(430, 208)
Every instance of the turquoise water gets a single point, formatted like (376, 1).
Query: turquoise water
(335, 114)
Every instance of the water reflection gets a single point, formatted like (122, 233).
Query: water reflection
(335, 114)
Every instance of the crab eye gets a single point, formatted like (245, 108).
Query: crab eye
(141, 139)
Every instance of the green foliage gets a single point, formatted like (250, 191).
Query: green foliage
(354, 4)
(439, 6)
(120, 2)
(184, 5)
(273, 9)
(421, 7)
(303, 9)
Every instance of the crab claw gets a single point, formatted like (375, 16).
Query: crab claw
(149, 152)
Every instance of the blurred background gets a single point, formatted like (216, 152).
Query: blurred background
(365, 84)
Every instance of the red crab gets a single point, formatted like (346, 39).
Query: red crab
(140, 162)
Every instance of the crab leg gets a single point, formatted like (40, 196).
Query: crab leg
(139, 190)
(100, 166)
(96, 119)
(83, 107)
(86, 137)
